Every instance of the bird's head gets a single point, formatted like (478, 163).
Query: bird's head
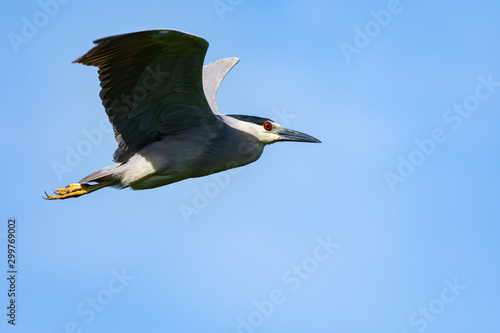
(268, 131)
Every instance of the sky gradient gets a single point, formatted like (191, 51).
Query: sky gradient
(390, 225)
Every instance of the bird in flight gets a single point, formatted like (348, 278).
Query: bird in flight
(160, 100)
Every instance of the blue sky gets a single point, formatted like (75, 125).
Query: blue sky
(390, 225)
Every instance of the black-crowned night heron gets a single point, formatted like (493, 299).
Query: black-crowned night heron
(160, 100)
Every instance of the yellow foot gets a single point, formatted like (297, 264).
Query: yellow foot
(70, 191)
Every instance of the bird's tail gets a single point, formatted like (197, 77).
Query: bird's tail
(107, 174)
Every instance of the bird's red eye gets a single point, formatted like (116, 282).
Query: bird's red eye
(268, 126)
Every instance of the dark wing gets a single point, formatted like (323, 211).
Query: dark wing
(151, 85)
(213, 74)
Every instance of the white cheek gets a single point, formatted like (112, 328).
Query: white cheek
(270, 137)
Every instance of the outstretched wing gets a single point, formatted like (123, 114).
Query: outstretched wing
(213, 74)
(151, 85)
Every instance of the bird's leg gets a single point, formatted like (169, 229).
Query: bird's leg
(74, 190)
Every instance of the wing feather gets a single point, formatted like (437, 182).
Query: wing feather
(152, 85)
(213, 74)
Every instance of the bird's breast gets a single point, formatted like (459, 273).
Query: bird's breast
(229, 155)
(190, 155)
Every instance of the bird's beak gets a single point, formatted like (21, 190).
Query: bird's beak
(291, 135)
